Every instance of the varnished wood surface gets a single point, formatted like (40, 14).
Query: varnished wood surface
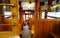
(46, 26)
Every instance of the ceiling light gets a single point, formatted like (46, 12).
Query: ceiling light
(30, 2)
(4, 7)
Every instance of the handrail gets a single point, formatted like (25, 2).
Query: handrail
(7, 15)
(7, 24)
(6, 4)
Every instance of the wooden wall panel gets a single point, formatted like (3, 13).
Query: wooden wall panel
(40, 29)
(44, 27)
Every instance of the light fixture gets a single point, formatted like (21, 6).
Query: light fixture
(4, 7)
(30, 2)
(26, 12)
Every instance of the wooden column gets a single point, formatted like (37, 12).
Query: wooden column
(49, 5)
(45, 14)
(57, 1)
(21, 17)
(41, 9)
(20, 9)
(36, 19)
(1, 21)
(15, 20)
(1, 12)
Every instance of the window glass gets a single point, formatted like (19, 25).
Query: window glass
(51, 15)
(26, 12)
(30, 16)
(28, 6)
(59, 7)
(46, 5)
(6, 12)
(26, 17)
(53, 3)
(43, 14)
(23, 17)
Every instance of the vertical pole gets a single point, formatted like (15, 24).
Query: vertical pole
(57, 1)
(20, 9)
(20, 12)
(1, 22)
(15, 20)
(46, 14)
(1, 12)
(49, 5)
(36, 18)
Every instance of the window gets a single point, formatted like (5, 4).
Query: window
(7, 11)
(43, 14)
(53, 14)
(27, 15)
(54, 9)
(24, 17)
(28, 6)
(46, 5)
(59, 7)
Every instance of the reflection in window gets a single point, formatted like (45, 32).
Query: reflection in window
(54, 9)
(51, 15)
(59, 7)
(26, 12)
(29, 12)
(54, 14)
(27, 17)
(50, 18)
(28, 6)
(30, 16)
(6, 8)
(23, 17)
(7, 11)
(46, 5)
(43, 15)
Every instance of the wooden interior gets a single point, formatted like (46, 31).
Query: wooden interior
(47, 26)
(43, 28)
